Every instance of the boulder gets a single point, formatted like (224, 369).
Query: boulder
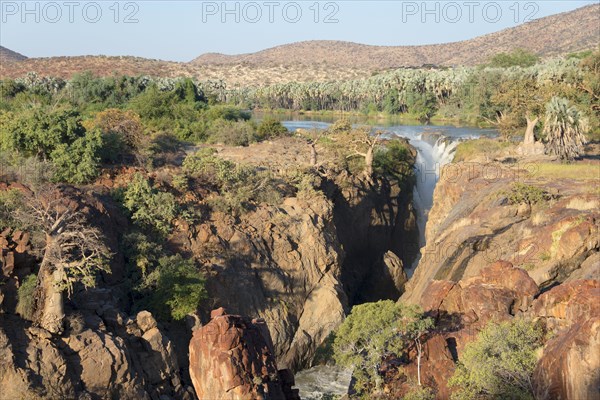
(232, 357)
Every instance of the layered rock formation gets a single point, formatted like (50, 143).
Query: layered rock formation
(472, 224)
(232, 358)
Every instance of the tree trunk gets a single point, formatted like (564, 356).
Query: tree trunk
(49, 307)
(313, 155)
(529, 132)
(369, 164)
(418, 343)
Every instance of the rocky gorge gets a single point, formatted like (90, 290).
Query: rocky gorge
(296, 268)
(287, 275)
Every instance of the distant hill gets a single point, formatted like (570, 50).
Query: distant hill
(557, 34)
(332, 60)
(9, 56)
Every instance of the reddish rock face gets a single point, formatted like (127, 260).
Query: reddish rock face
(568, 368)
(232, 358)
(462, 309)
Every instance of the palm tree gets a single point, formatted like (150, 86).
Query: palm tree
(564, 128)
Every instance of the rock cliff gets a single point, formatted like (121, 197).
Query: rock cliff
(475, 221)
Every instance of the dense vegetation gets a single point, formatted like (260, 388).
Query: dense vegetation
(77, 126)
(503, 93)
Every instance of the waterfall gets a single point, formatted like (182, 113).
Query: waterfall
(430, 161)
(434, 150)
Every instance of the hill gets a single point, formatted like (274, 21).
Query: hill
(557, 34)
(320, 61)
(9, 56)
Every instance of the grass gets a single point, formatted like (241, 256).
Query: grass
(566, 171)
(471, 148)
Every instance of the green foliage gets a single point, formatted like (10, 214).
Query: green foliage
(393, 160)
(173, 289)
(516, 58)
(77, 162)
(420, 393)
(10, 201)
(151, 209)
(270, 128)
(25, 303)
(565, 128)
(523, 193)
(422, 106)
(153, 104)
(340, 126)
(232, 133)
(39, 132)
(227, 113)
(500, 363)
(141, 252)
(240, 186)
(372, 331)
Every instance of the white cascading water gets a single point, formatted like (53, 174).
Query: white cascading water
(430, 161)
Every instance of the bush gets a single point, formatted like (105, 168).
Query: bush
(340, 126)
(499, 364)
(394, 160)
(375, 330)
(10, 201)
(25, 303)
(270, 128)
(41, 131)
(174, 288)
(125, 124)
(151, 209)
(227, 113)
(516, 58)
(79, 161)
(232, 133)
(420, 393)
(523, 193)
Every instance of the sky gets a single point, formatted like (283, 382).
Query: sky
(182, 30)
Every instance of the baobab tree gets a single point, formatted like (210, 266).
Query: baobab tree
(74, 251)
(565, 129)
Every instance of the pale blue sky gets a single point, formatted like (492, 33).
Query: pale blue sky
(182, 30)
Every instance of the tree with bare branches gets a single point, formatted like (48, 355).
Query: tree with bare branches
(364, 144)
(74, 252)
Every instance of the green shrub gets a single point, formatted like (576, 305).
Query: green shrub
(516, 58)
(226, 112)
(232, 133)
(173, 289)
(10, 201)
(25, 303)
(79, 161)
(420, 393)
(523, 193)
(375, 330)
(394, 160)
(499, 364)
(151, 209)
(270, 128)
